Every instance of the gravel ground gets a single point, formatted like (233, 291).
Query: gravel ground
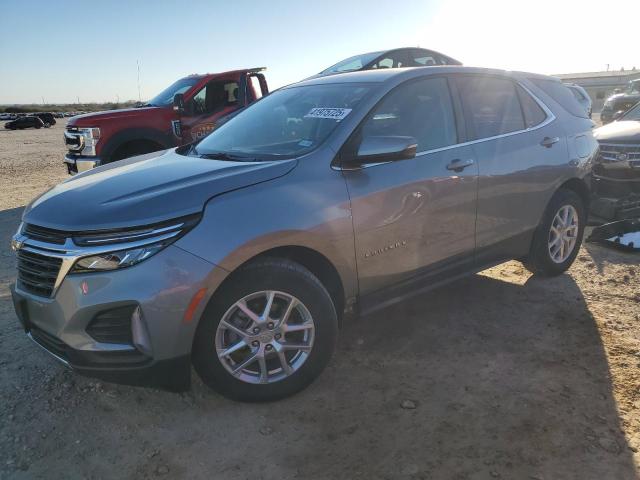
(500, 375)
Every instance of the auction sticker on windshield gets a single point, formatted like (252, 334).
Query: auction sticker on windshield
(331, 113)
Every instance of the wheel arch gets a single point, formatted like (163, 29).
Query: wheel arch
(132, 136)
(581, 188)
(314, 261)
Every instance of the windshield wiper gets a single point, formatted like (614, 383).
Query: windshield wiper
(225, 156)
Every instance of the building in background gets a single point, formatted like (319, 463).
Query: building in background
(601, 85)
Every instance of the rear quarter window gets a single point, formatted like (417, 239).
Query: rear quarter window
(562, 95)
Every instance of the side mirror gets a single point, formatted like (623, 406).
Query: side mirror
(178, 102)
(384, 149)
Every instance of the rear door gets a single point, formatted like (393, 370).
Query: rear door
(413, 218)
(517, 145)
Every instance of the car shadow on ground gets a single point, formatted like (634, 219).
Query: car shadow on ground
(483, 378)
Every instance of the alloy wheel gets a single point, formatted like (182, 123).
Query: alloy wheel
(265, 337)
(563, 234)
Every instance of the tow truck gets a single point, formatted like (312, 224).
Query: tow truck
(186, 111)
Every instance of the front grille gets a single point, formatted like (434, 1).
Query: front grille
(43, 234)
(112, 326)
(37, 273)
(49, 342)
(610, 153)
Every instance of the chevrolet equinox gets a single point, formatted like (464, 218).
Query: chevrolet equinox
(240, 254)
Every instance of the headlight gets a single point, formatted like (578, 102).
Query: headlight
(116, 260)
(128, 247)
(83, 140)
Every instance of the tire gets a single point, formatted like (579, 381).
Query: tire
(541, 259)
(285, 279)
(47, 125)
(38, 126)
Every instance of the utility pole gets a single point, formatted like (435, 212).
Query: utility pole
(139, 97)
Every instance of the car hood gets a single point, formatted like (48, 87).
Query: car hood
(144, 190)
(89, 119)
(620, 132)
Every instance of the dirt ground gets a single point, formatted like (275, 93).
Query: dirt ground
(500, 375)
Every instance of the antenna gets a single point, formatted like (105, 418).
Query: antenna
(139, 97)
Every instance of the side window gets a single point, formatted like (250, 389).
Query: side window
(561, 94)
(491, 106)
(533, 113)
(214, 97)
(423, 58)
(393, 60)
(420, 109)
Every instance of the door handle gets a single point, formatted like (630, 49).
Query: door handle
(549, 141)
(458, 165)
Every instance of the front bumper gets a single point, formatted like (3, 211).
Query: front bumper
(78, 163)
(162, 287)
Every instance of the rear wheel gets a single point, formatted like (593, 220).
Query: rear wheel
(559, 236)
(267, 334)
(47, 125)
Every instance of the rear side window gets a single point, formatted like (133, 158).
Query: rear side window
(420, 109)
(562, 95)
(491, 106)
(533, 113)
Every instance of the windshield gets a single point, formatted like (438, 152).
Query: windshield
(632, 114)
(165, 98)
(352, 63)
(286, 123)
(634, 86)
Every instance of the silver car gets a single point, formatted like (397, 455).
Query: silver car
(243, 253)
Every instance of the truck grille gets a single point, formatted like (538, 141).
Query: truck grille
(611, 153)
(37, 273)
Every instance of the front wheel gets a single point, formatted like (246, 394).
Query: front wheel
(558, 237)
(267, 334)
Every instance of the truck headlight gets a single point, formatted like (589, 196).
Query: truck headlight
(89, 137)
(115, 260)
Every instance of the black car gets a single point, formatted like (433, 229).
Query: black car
(619, 103)
(396, 58)
(616, 173)
(47, 118)
(24, 122)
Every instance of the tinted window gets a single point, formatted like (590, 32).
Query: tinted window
(533, 113)
(562, 95)
(577, 93)
(490, 105)
(392, 60)
(214, 97)
(165, 97)
(423, 58)
(419, 109)
(352, 63)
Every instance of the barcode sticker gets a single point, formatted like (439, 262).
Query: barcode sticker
(331, 113)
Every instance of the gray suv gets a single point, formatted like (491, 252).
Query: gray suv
(242, 254)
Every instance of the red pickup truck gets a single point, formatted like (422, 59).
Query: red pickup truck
(185, 111)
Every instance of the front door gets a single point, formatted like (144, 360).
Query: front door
(213, 101)
(414, 217)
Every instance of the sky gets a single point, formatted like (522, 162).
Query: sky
(64, 51)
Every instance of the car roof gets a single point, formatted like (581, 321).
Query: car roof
(397, 75)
